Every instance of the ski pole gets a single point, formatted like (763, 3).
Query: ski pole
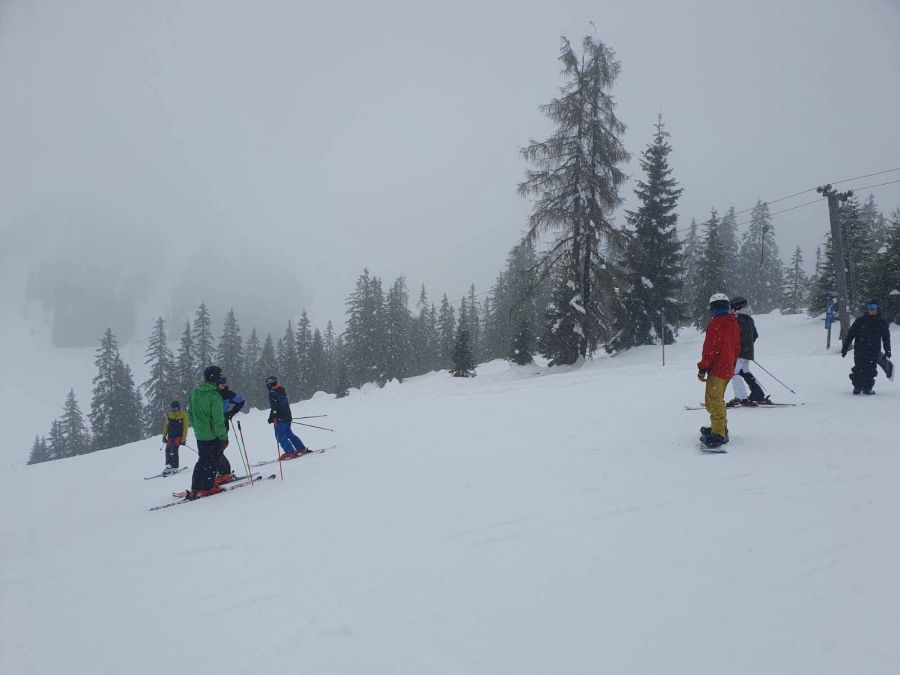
(313, 426)
(308, 417)
(774, 378)
(191, 449)
(242, 448)
(278, 457)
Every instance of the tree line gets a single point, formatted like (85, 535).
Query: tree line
(576, 282)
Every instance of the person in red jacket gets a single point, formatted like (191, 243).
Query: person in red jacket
(721, 349)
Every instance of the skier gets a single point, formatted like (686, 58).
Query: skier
(231, 404)
(716, 366)
(208, 420)
(280, 415)
(867, 334)
(175, 430)
(742, 373)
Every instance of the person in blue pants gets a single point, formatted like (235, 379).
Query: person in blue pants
(280, 415)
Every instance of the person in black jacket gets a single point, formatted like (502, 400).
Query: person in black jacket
(280, 416)
(867, 334)
(742, 372)
(231, 405)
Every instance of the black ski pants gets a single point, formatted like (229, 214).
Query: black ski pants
(863, 372)
(223, 466)
(207, 461)
(172, 452)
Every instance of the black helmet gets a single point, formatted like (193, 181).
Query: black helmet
(738, 302)
(176, 405)
(271, 381)
(212, 374)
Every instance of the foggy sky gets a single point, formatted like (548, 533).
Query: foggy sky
(260, 154)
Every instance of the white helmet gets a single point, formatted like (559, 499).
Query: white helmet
(718, 297)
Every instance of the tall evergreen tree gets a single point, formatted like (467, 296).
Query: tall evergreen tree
(186, 365)
(728, 235)
(576, 180)
(398, 345)
(316, 365)
(361, 334)
(161, 387)
(56, 441)
(884, 272)
(254, 391)
(795, 285)
(859, 251)
(824, 288)
(761, 271)
(267, 361)
(204, 349)
(302, 344)
(474, 324)
(115, 414)
(330, 346)
(342, 384)
(446, 332)
(40, 451)
(230, 352)
(653, 253)
(690, 261)
(289, 365)
(560, 343)
(463, 361)
(711, 271)
(76, 439)
(522, 348)
(419, 336)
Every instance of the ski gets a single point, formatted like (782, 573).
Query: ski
(229, 487)
(165, 475)
(758, 405)
(712, 451)
(318, 451)
(236, 479)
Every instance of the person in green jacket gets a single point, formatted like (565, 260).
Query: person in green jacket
(208, 421)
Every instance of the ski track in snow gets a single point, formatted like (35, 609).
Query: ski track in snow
(509, 523)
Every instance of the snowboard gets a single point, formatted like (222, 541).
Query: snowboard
(886, 365)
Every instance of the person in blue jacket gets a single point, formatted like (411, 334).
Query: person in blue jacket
(280, 415)
(231, 404)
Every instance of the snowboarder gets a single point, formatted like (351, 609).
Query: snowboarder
(208, 420)
(175, 430)
(231, 404)
(866, 335)
(716, 366)
(744, 315)
(280, 415)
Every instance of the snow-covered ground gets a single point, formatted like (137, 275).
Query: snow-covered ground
(526, 521)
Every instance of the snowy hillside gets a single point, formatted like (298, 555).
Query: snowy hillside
(526, 521)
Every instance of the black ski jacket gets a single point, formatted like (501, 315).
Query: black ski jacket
(748, 335)
(866, 335)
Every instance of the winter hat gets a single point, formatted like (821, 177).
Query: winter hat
(212, 374)
(718, 304)
(176, 405)
(738, 302)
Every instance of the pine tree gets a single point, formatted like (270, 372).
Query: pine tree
(474, 324)
(253, 379)
(316, 366)
(463, 361)
(230, 353)
(653, 253)
(342, 385)
(522, 348)
(859, 251)
(560, 343)
(420, 337)
(761, 278)
(267, 362)
(40, 452)
(824, 288)
(884, 271)
(434, 340)
(56, 441)
(302, 345)
(446, 332)
(711, 274)
(330, 347)
(161, 387)
(186, 365)
(203, 341)
(289, 365)
(76, 439)
(728, 235)
(577, 180)
(361, 333)
(795, 285)
(398, 345)
(115, 414)
(690, 262)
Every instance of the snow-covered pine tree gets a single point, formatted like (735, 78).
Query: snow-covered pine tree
(560, 343)
(859, 251)
(342, 384)
(690, 261)
(40, 452)
(711, 270)
(186, 367)
(433, 340)
(161, 387)
(728, 235)
(418, 335)
(884, 272)
(398, 346)
(446, 332)
(761, 277)
(824, 287)
(497, 319)
(474, 324)
(463, 363)
(56, 441)
(874, 222)
(330, 346)
(204, 349)
(289, 365)
(795, 285)
(653, 253)
(303, 342)
(522, 348)
(360, 331)
(316, 366)
(115, 414)
(253, 379)
(576, 180)
(230, 353)
(268, 364)
(76, 439)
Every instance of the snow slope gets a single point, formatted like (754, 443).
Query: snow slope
(526, 521)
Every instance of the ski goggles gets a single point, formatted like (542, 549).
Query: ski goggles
(872, 305)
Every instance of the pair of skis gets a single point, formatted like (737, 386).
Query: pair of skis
(288, 459)
(226, 487)
(758, 405)
(166, 475)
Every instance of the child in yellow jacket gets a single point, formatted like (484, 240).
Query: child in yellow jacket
(175, 432)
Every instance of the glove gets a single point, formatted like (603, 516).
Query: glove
(164, 439)
(843, 353)
(271, 418)
(701, 375)
(224, 444)
(887, 355)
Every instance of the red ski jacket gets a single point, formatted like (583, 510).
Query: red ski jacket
(721, 346)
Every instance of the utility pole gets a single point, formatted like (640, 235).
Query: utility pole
(837, 249)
